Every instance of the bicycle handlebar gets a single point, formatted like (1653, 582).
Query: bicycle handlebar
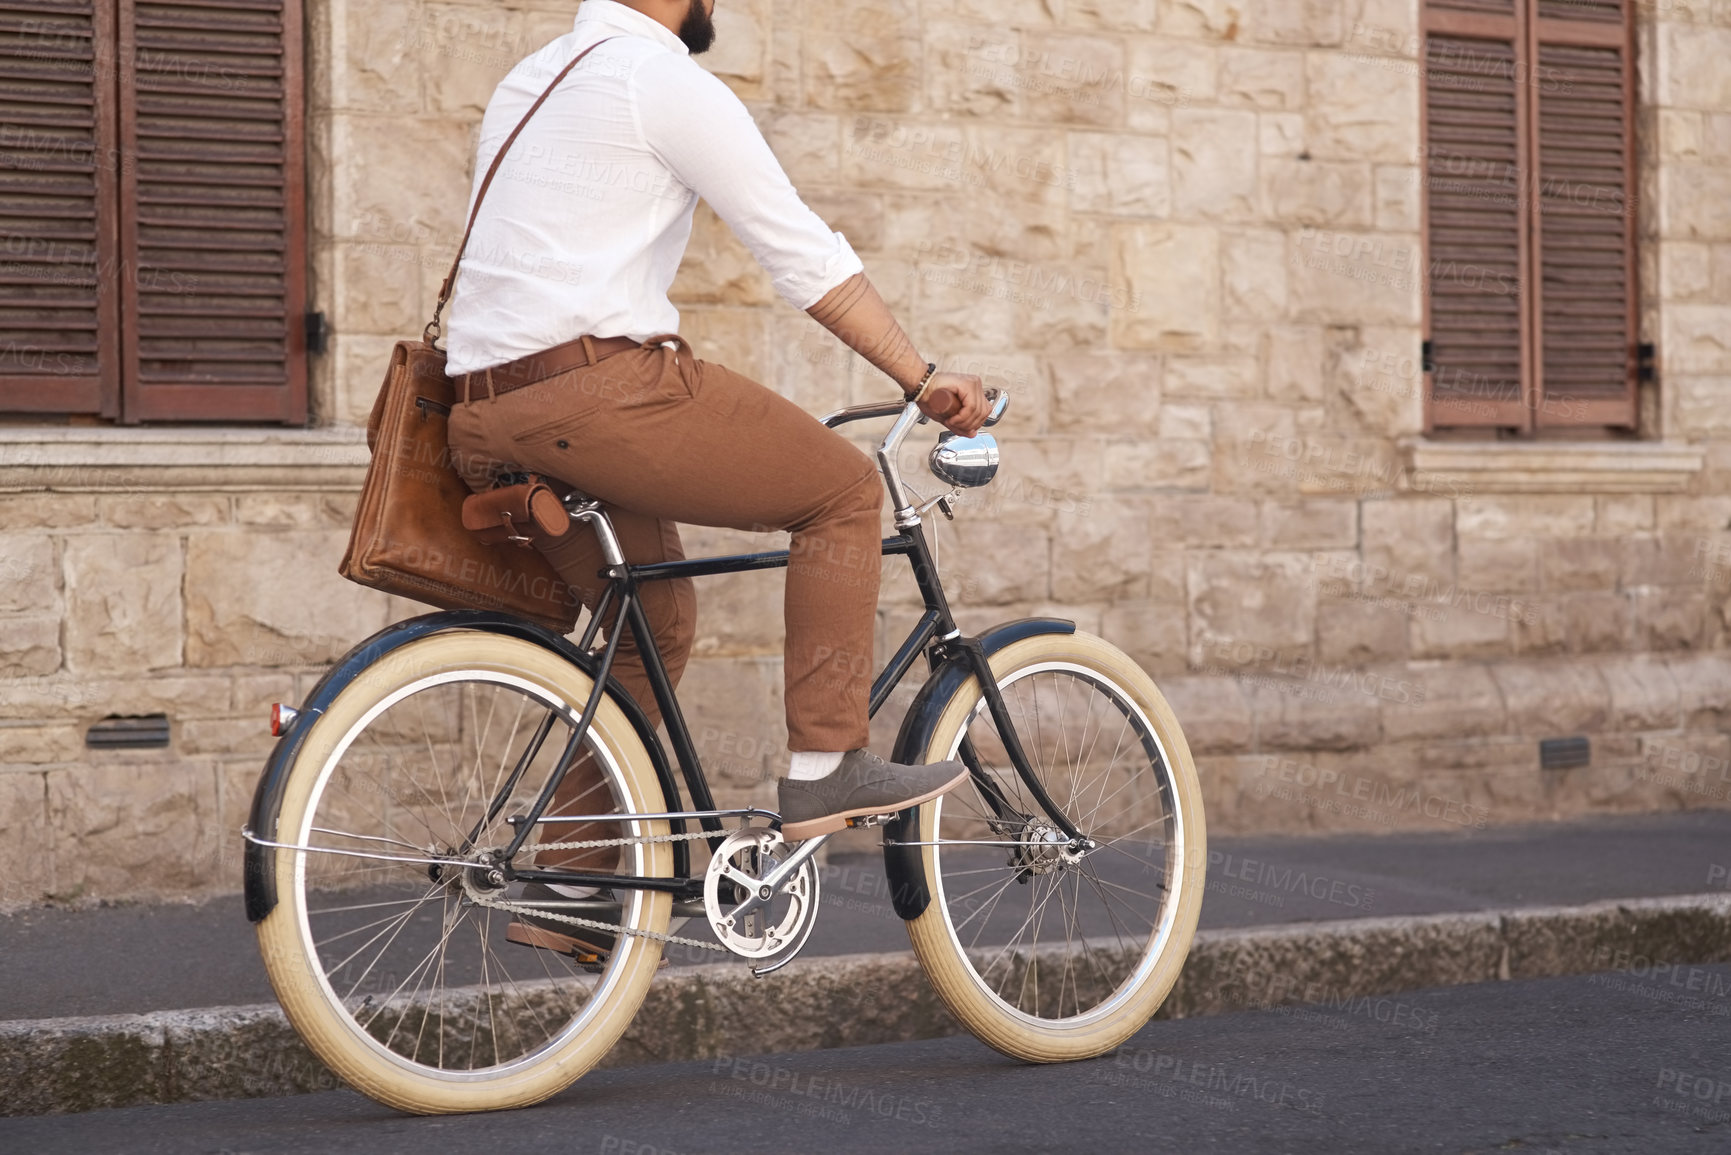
(999, 398)
(865, 412)
(907, 415)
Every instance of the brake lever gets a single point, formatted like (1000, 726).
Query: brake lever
(945, 502)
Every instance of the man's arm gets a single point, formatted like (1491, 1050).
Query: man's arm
(702, 132)
(857, 315)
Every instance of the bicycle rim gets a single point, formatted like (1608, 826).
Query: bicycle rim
(1050, 950)
(408, 985)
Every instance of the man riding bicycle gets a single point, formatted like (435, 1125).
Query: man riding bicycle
(563, 344)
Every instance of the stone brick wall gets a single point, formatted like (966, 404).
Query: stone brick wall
(206, 606)
(1184, 236)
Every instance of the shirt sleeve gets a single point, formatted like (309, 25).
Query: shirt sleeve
(706, 136)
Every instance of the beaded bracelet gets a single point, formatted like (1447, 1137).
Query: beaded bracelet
(925, 383)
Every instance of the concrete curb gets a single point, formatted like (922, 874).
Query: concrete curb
(55, 1066)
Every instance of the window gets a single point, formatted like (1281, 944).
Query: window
(1530, 312)
(152, 210)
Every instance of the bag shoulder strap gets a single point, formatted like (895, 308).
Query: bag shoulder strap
(432, 331)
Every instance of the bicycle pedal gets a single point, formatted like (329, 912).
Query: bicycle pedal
(868, 820)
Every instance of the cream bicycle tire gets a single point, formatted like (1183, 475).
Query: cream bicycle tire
(956, 977)
(292, 957)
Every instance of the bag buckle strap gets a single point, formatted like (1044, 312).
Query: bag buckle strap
(511, 534)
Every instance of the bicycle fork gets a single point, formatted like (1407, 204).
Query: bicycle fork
(1000, 714)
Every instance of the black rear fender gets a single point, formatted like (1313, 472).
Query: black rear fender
(267, 798)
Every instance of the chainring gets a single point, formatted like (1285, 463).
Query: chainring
(742, 860)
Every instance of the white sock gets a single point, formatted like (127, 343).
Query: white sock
(577, 892)
(809, 766)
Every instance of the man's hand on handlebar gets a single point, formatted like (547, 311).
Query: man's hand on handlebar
(957, 401)
(854, 312)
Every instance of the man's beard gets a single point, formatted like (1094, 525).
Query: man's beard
(697, 30)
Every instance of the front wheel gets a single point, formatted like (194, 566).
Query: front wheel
(389, 946)
(1046, 950)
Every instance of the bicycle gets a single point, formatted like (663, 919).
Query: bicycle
(406, 794)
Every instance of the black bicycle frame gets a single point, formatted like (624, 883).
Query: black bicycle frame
(935, 635)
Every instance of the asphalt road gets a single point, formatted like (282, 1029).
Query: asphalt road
(1626, 1062)
(131, 959)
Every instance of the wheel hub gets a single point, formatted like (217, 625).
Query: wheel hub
(1041, 848)
(482, 877)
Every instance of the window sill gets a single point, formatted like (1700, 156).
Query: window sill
(107, 460)
(1548, 467)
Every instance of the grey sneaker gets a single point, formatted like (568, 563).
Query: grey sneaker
(862, 785)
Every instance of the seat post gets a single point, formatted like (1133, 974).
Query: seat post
(584, 508)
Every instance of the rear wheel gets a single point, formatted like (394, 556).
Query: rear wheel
(386, 947)
(1047, 950)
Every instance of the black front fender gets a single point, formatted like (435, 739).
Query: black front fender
(260, 864)
(904, 866)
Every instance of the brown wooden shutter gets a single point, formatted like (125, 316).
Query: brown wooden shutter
(212, 229)
(1584, 236)
(1475, 216)
(59, 304)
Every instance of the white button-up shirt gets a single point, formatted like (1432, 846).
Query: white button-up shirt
(585, 224)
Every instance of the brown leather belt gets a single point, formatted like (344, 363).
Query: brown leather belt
(540, 366)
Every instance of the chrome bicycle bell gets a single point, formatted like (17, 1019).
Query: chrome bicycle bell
(969, 462)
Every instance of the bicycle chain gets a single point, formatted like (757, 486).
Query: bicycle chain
(594, 924)
(628, 840)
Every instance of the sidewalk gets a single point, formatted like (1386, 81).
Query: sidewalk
(137, 959)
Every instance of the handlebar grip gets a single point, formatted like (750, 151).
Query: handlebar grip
(945, 414)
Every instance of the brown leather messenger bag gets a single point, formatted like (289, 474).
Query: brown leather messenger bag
(410, 536)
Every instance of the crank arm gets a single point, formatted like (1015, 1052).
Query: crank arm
(771, 883)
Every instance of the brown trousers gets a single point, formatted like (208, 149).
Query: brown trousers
(660, 437)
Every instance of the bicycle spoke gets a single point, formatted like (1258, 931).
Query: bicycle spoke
(415, 960)
(1112, 782)
(402, 921)
(1034, 910)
